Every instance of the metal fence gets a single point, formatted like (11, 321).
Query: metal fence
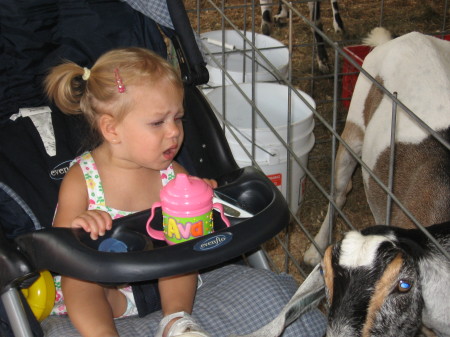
(285, 251)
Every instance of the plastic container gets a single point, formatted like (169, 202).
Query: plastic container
(270, 153)
(187, 207)
(350, 73)
(238, 57)
(113, 245)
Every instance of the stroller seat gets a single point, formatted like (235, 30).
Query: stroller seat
(38, 142)
(228, 303)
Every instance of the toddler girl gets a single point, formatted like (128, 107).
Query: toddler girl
(133, 101)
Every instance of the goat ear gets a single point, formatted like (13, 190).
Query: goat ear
(411, 247)
(377, 230)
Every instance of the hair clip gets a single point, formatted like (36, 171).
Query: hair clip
(119, 82)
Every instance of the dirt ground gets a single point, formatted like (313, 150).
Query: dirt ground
(359, 16)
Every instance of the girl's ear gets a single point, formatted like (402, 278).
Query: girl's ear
(108, 128)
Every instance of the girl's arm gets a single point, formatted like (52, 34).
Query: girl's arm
(73, 206)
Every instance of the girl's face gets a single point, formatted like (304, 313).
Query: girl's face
(151, 132)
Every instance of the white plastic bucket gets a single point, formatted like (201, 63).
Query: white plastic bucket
(238, 57)
(270, 154)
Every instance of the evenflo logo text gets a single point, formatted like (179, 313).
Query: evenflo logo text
(214, 242)
(58, 172)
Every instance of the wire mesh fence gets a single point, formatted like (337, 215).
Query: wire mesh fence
(331, 92)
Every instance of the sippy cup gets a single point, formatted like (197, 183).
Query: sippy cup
(187, 206)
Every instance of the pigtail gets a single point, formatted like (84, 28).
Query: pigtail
(65, 86)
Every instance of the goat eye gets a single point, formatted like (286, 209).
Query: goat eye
(404, 286)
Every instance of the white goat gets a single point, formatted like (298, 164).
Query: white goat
(314, 14)
(417, 67)
(382, 282)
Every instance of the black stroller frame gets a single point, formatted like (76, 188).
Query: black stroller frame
(28, 244)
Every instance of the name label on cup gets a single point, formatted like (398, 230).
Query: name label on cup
(177, 230)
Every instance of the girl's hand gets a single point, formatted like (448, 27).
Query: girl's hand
(94, 222)
(210, 182)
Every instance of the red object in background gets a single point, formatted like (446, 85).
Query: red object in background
(445, 37)
(350, 73)
(276, 179)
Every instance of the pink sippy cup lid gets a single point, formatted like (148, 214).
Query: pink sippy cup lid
(186, 196)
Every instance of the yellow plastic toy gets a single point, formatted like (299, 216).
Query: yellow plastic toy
(41, 295)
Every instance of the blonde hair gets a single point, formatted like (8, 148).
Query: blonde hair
(93, 92)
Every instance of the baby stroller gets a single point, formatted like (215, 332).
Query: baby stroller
(37, 142)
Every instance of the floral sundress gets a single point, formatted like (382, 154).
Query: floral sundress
(97, 202)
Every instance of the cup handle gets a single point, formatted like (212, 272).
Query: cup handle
(155, 234)
(222, 213)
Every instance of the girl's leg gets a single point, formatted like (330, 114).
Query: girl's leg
(92, 308)
(177, 294)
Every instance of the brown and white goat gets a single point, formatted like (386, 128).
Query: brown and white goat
(417, 67)
(314, 14)
(388, 281)
(381, 282)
